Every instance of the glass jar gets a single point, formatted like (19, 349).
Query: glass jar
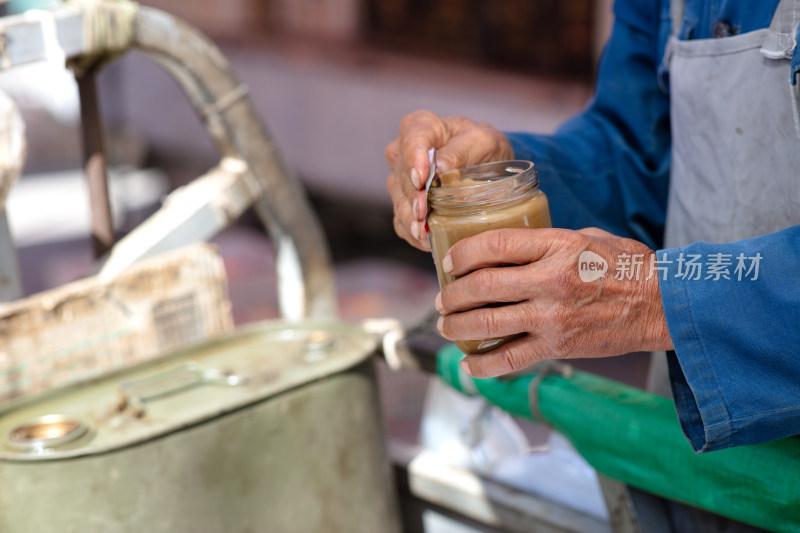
(504, 194)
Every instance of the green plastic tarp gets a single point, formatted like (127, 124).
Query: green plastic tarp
(635, 437)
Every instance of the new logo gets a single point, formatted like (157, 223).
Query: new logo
(591, 266)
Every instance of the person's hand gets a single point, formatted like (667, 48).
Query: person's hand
(535, 273)
(460, 142)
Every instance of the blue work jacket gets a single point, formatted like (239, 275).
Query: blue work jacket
(735, 373)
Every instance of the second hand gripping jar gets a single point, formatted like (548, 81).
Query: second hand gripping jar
(465, 202)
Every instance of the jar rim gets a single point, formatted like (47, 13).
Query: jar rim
(500, 182)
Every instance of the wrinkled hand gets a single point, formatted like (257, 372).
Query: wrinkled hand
(535, 273)
(460, 142)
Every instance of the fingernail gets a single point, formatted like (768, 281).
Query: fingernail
(416, 208)
(465, 366)
(438, 303)
(440, 324)
(414, 228)
(415, 178)
(447, 264)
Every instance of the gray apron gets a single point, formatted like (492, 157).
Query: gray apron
(735, 138)
(735, 146)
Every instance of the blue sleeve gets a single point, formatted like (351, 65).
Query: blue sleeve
(609, 166)
(735, 374)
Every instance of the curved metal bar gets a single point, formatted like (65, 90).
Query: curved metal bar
(101, 30)
(12, 159)
(305, 275)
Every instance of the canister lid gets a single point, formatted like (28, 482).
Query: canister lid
(179, 390)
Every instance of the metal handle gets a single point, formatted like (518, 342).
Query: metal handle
(410, 349)
(136, 393)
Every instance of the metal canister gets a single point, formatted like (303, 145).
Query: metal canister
(275, 428)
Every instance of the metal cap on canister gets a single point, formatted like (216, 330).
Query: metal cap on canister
(46, 433)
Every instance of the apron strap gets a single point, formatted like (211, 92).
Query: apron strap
(780, 42)
(676, 9)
